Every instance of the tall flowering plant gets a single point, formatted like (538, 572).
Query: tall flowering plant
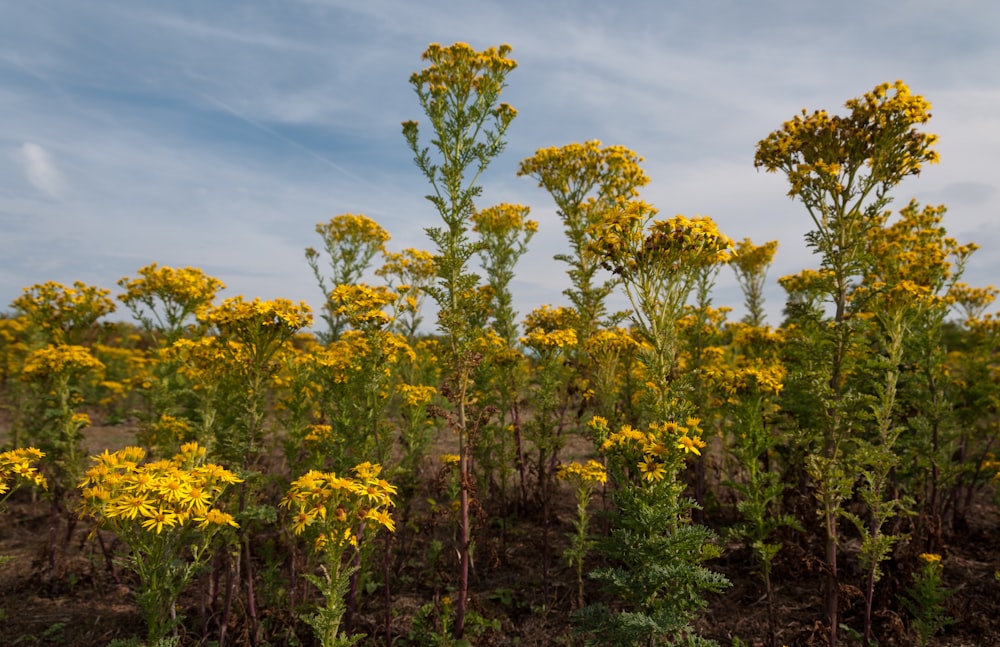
(656, 551)
(843, 168)
(336, 514)
(57, 373)
(165, 513)
(459, 91)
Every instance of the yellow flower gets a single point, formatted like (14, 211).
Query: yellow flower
(217, 518)
(691, 445)
(930, 558)
(130, 507)
(159, 519)
(652, 470)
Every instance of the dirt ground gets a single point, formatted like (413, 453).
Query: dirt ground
(81, 602)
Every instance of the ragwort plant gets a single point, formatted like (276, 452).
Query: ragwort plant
(350, 242)
(965, 458)
(588, 182)
(18, 467)
(504, 233)
(337, 515)
(926, 597)
(842, 169)
(164, 511)
(584, 478)
(63, 315)
(56, 375)
(245, 357)
(166, 302)
(913, 266)
(656, 551)
(459, 92)
(750, 385)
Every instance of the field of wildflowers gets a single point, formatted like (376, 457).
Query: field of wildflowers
(572, 476)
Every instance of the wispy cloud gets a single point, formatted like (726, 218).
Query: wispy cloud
(40, 169)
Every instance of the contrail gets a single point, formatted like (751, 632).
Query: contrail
(287, 140)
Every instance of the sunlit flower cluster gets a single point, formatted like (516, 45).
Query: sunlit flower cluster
(20, 466)
(363, 306)
(972, 301)
(357, 352)
(807, 282)
(540, 340)
(611, 342)
(125, 494)
(460, 70)
(822, 151)
(336, 511)
(239, 316)
(589, 472)
(634, 245)
(751, 378)
(547, 318)
(353, 229)
(655, 452)
(59, 311)
(750, 258)
(164, 297)
(416, 395)
(587, 176)
(59, 360)
(504, 220)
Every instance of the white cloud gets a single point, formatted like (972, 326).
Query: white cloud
(40, 169)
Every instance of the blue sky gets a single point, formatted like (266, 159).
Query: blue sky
(217, 134)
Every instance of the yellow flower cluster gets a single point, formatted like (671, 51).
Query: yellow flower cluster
(752, 378)
(362, 306)
(169, 430)
(59, 360)
(338, 510)
(207, 360)
(541, 340)
(547, 319)
(416, 395)
(972, 302)
(349, 355)
(123, 493)
(611, 342)
(752, 259)
(18, 466)
(758, 338)
(657, 449)
(634, 245)
(504, 219)
(280, 314)
(822, 152)
(187, 289)
(57, 310)
(318, 434)
(460, 69)
(806, 281)
(353, 228)
(409, 270)
(590, 472)
(586, 176)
